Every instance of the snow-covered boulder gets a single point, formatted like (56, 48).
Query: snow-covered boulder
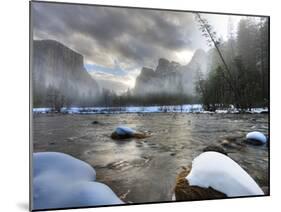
(256, 138)
(62, 181)
(218, 171)
(56, 162)
(184, 191)
(123, 132)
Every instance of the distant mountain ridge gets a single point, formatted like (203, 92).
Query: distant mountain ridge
(171, 77)
(58, 68)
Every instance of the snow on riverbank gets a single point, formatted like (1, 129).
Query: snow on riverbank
(188, 108)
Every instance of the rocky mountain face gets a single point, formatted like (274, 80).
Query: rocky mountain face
(171, 77)
(58, 73)
(190, 72)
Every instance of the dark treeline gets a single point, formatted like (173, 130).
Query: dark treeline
(108, 98)
(239, 69)
(56, 98)
(111, 99)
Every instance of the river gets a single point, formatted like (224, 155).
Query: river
(145, 170)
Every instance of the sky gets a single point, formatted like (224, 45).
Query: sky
(117, 42)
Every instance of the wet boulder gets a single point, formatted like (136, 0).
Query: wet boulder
(214, 175)
(127, 132)
(256, 138)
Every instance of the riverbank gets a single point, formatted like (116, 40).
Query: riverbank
(188, 108)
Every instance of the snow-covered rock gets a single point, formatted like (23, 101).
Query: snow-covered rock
(70, 167)
(122, 130)
(215, 170)
(62, 181)
(257, 138)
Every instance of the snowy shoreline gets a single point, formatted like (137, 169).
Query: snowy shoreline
(189, 108)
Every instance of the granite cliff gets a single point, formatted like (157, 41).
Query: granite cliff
(58, 72)
(171, 77)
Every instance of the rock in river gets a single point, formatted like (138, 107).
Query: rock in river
(233, 143)
(126, 132)
(62, 181)
(256, 138)
(215, 148)
(214, 175)
(184, 191)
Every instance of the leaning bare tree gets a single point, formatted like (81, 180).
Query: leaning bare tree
(212, 39)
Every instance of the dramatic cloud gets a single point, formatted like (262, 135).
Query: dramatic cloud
(119, 39)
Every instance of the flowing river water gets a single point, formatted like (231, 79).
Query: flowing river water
(144, 170)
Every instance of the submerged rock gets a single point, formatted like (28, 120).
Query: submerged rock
(256, 138)
(214, 175)
(215, 148)
(126, 132)
(62, 181)
(234, 143)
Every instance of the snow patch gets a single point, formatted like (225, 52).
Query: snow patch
(222, 111)
(188, 108)
(213, 169)
(195, 108)
(259, 110)
(41, 110)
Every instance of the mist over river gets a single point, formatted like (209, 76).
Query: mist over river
(144, 170)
